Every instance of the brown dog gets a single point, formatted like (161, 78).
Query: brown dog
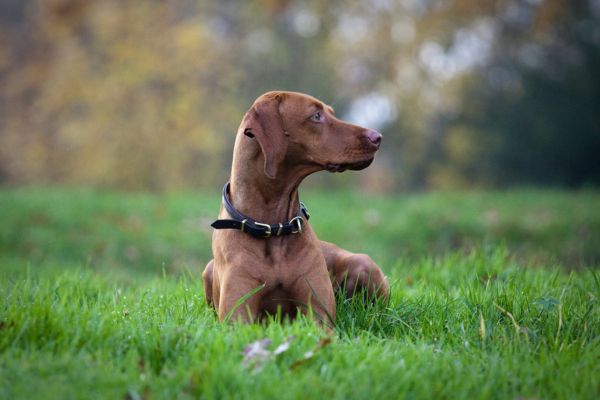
(279, 264)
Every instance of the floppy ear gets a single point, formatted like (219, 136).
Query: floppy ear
(263, 122)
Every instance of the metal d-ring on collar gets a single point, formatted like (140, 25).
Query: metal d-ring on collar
(255, 228)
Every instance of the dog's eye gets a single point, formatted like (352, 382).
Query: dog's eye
(317, 117)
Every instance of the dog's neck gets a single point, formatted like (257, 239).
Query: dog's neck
(256, 195)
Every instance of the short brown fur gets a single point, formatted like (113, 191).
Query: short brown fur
(280, 141)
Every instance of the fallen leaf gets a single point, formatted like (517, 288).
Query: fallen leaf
(283, 346)
(256, 353)
(310, 354)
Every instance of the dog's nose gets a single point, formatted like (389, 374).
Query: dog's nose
(374, 136)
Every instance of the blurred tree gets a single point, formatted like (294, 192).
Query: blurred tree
(539, 101)
(148, 94)
(128, 94)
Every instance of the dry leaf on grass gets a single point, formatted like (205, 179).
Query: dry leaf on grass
(310, 354)
(256, 354)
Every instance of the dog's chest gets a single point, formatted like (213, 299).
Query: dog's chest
(273, 261)
(288, 268)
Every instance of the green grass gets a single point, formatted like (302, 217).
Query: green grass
(494, 295)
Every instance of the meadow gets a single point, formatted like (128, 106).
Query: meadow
(495, 295)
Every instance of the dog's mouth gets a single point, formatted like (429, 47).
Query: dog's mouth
(331, 167)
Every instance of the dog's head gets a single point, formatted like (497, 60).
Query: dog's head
(299, 130)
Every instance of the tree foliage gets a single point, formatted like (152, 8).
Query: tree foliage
(130, 94)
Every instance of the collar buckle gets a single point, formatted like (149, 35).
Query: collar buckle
(267, 226)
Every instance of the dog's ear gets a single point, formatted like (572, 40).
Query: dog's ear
(265, 123)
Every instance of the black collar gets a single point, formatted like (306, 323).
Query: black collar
(255, 228)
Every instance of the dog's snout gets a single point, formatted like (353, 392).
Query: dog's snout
(374, 136)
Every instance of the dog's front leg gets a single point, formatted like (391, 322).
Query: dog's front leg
(207, 278)
(313, 293)
(239, 298)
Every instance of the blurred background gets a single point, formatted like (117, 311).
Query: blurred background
(134, 95)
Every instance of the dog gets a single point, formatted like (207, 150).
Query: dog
(267, 259)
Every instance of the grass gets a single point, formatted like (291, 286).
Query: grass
(494, 295)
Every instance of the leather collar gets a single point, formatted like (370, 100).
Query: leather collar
(255, 228)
